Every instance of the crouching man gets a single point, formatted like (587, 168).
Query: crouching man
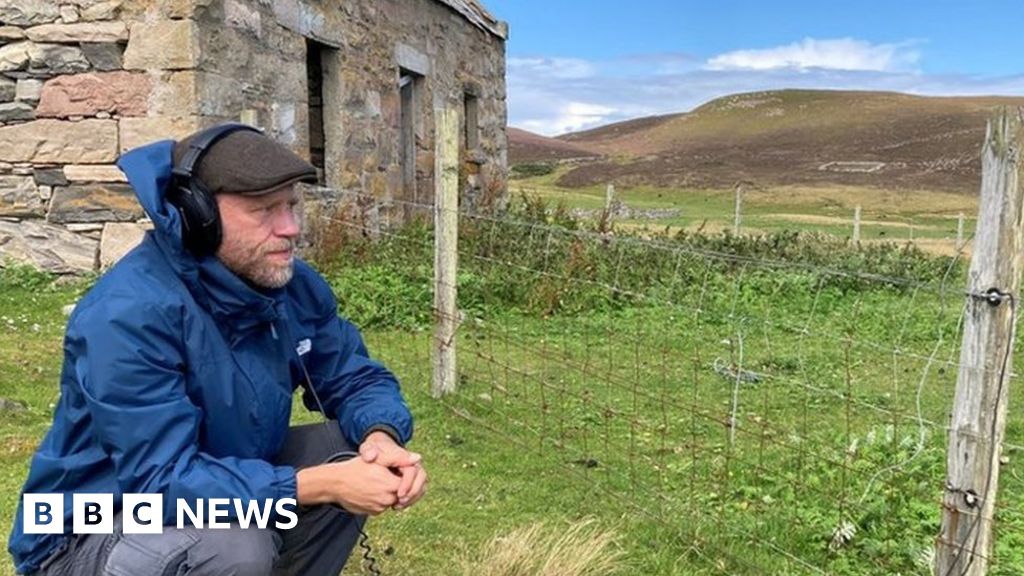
(179, 372)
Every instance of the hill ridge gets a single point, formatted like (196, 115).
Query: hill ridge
(781, 137)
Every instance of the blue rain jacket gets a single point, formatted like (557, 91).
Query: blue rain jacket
(178, 377)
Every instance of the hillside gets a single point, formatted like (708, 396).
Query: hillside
(877, 139)
(524, 147)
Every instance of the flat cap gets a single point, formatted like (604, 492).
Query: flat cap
(247, 162)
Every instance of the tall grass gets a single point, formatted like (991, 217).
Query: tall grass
(580, 549)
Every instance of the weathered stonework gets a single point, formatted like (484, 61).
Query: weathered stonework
(83, 80)
(122, 93)
(93, 173)
(118, 239)
(138, 131)
(20, 197)
(53, 59)
(47, 247)
(8, 89)
(11, 34)
(101, 11)
(16, 112)
(14, 56)
(94, 203)
(28, 90)
(166, 45)
(173, 93)
(55, 142)
(93, 230)
(28, 12)
(161, 9)
(79, 32)
(238, 15)
(103, 56)
(50, 177)
(68, 14)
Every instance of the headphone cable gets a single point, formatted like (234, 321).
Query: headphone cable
(369, 562)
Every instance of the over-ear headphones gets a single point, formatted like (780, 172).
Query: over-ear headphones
(200, 220)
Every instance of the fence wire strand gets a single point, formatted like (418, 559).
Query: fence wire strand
(812, 404)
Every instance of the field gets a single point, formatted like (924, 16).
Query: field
(929, 218)
(756, 405)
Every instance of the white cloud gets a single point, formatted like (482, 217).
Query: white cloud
(571, 117)
(553, 67)
(556, 95)
(837, 54)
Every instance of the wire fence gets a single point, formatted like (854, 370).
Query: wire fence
(771, 405)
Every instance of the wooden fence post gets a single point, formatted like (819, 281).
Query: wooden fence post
(979, 413)
(609, 197)
(446, 248)
(856, 225)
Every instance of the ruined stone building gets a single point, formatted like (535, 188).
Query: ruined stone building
(353, 85)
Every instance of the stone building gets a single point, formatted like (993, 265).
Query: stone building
(353, 85)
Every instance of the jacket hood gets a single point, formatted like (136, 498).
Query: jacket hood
(149, 171)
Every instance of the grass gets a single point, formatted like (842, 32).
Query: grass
(887, 215)
(580, 549)
(626, 416)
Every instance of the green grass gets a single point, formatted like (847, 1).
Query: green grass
(31, 332)
(624, 417)
(886, 215)
(615, 410)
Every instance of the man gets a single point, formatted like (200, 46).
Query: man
(178, 375)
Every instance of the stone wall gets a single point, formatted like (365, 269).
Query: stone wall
(76, 88)
(254, 58)
(83, 80)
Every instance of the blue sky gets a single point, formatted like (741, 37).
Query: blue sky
(576, 64)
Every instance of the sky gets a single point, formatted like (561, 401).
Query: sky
(577, 64)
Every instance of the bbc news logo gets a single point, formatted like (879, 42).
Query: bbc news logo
(143, 513)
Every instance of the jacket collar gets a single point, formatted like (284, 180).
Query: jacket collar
(230, 298)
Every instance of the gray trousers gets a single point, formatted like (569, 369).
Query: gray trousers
(319, 545)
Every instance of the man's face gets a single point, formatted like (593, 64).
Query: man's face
(259, 235)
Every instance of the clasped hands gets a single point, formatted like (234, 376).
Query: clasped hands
(381, 449)
(385, 475)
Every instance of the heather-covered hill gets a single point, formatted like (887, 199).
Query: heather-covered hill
(787, 137)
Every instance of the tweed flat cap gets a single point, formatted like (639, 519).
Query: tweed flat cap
(247, 162)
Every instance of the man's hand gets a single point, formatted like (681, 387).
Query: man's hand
(357, 486)
(380, 448)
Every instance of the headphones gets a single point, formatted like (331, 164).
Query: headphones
(200, 220)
